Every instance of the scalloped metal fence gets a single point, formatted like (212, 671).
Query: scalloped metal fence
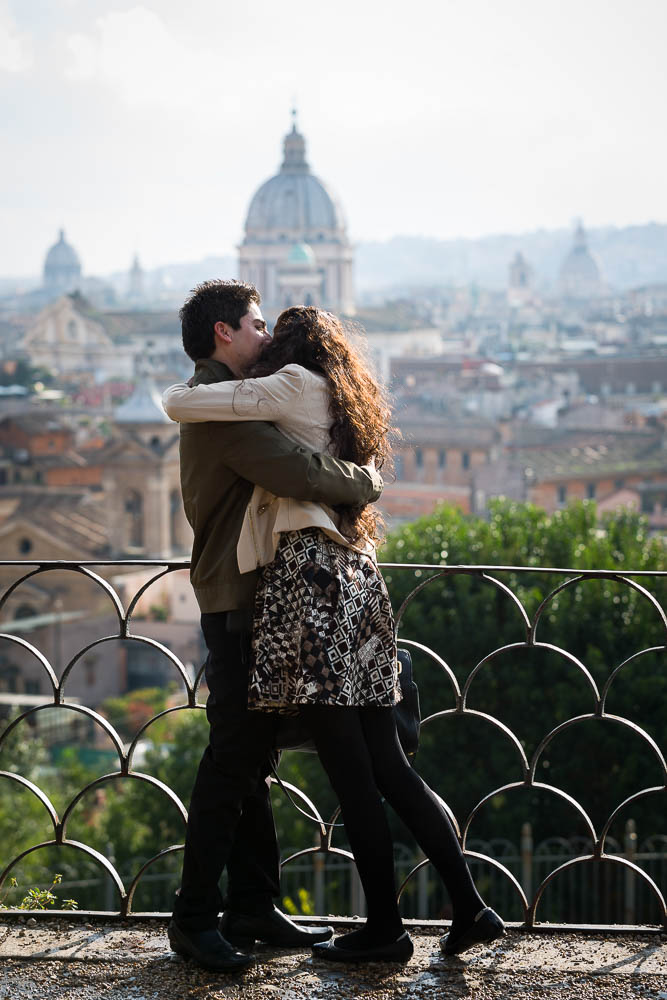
(598, 845)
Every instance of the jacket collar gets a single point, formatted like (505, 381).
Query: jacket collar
(209, 370)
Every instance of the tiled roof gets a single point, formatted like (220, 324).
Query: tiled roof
(605, 455)
(594, 416)
(36, 423)
(77, 518)
(121, 325)
(444, 429)
(67, 459)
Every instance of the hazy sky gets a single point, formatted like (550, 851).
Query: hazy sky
(148, 126)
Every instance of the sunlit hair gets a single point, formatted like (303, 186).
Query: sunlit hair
(360, 415)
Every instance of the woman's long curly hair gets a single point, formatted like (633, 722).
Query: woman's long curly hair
(360, 414)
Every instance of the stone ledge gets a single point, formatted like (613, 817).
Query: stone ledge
(57, 960)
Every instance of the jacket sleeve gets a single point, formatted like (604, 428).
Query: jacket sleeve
(259, 453)
(268, 398)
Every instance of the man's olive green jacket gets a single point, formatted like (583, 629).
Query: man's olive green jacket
(220, 463)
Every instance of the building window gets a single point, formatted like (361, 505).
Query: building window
(619, 484)
(398, 466)
(590, 491)
(442, 458)
(465, 459)
(134, 519)
(8, 679)
(33, 687)
(562, 494)
(25, 611)
(25, 546)
(419, 458)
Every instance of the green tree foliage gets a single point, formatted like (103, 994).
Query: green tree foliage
(129, 712)
(25, 823)
(21, 372)
(601, 622)
(21, 754)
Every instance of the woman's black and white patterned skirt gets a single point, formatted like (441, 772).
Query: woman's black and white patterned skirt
(323, 628)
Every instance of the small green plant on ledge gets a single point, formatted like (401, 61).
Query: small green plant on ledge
(39, 899)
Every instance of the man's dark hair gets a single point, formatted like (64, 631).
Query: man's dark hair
(208, 303)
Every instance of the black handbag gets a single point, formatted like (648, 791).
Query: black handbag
(406, 712)
(293, 733)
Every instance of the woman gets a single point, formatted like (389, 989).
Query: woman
(323, 635)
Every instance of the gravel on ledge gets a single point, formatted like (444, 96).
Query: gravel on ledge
(132, 961)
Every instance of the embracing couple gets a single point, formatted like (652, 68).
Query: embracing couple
(281, 441)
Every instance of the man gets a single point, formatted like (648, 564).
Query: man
(230, 821)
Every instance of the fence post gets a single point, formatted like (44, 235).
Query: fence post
(422, 889)
(630, 910)
(527, 860)
(318, 878)
(110, 889)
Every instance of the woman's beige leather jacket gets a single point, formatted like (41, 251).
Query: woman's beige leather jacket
(296, 400)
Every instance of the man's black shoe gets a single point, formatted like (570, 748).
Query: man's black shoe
(399, 950)
(486, 927)
(208, 949)
(272, 927)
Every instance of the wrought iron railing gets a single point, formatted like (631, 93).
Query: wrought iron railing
(597, 847)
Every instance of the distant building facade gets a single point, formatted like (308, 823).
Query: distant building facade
(68, 337)
(296, 248)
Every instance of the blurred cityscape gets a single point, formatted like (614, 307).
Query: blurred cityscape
(533, 368)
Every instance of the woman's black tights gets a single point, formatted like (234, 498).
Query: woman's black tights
(364, 760)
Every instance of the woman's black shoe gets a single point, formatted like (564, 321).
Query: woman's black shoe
(399, 950)
(208, 949)
(487, 926)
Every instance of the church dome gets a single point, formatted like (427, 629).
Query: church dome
(62, 267)
(294, 201)
(580, 273)
(295, 247)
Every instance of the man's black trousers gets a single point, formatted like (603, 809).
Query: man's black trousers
(230, 822)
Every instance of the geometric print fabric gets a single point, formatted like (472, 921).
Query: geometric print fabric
(323, 630)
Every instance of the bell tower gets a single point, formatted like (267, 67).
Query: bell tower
(142, 479)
